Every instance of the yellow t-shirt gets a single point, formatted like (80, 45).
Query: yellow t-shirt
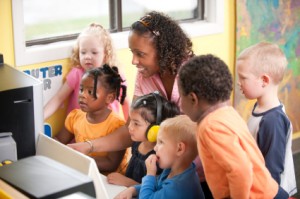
(77, 124)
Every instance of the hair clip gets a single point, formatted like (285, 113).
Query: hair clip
(146, 21)
(156, 32)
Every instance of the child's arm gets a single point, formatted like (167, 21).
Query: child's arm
(147, 189)
(111, 162)
(183, 185)
(226, 150)
(119, 179)
(272, 140)
(64, 136)
(57, 100)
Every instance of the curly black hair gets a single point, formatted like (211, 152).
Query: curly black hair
(208, 77)
(172, 44)
(110, 79)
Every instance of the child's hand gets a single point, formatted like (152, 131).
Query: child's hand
(115, 178)
(151, 165)
(119, 179)
(127, 193)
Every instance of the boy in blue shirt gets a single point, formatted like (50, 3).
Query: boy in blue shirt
(176, 148)
(260, 69)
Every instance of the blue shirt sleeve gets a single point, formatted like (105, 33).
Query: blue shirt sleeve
(271, 139)
(148, 188)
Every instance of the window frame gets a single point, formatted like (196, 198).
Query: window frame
(213, 24)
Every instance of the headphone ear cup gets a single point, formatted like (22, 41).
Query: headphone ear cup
(152, 133)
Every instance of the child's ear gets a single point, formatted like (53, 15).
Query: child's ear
(181, 147)
(110, 98)
(193, 98)
(265, 80)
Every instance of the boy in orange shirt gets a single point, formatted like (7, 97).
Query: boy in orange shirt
(233, 164)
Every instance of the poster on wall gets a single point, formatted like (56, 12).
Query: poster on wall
(51, 76)
(276, 21)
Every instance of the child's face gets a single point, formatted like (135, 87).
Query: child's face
(91, 52)
(250, 84)
(143, 54)
(137, 126)
(86, 99)
(165, 149)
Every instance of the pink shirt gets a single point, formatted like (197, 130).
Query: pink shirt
(73, 80)
(148, 85)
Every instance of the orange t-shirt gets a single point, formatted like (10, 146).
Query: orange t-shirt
(233, 164)
(77, 124)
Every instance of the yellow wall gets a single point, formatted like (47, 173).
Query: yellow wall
(6, 32)
(222, 45)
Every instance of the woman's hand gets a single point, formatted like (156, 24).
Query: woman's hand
(82, 147)
(151, 165)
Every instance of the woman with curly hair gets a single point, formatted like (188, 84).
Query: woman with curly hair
(159, 47)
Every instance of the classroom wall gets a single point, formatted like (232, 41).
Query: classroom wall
(6, 32)
(222, 45)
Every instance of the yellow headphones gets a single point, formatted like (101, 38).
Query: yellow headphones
(152, 130)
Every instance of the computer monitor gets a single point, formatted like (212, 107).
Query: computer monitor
(55, 150)
(21, 108)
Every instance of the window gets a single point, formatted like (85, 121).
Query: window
(45, 30)
(51, 23)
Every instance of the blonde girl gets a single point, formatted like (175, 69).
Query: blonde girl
(92, 49)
